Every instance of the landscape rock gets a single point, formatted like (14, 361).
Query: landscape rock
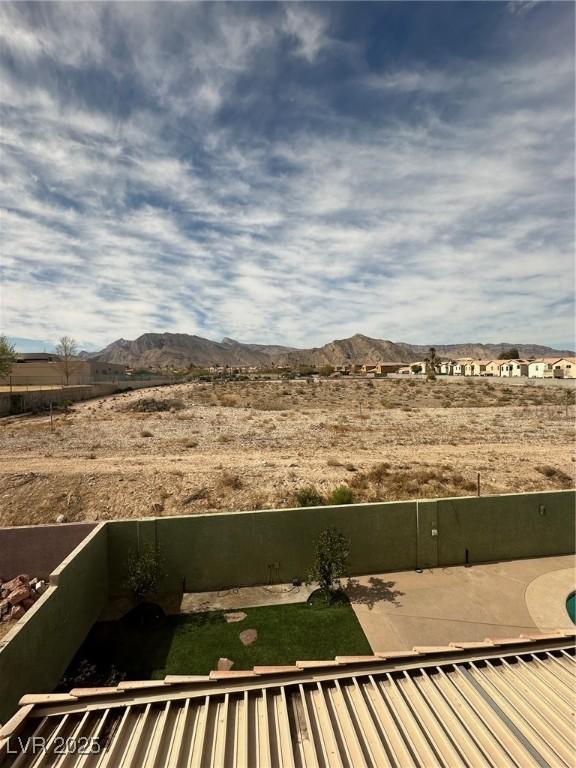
(18, 595)
(248, 637)
(224, 665)
(234, 616)
(14, 583)
(17, 612)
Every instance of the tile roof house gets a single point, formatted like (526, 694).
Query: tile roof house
(541, 368)
(494, 367)
(501, 702)
(565, 368)
(459, 368)
(476, 367)
(513, 368)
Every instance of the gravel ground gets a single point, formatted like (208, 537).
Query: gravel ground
(248, 445)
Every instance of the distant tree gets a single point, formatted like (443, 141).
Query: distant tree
(67, 351)
(330, 561)
(431, 363)
(306, 370)
(326, 370)
(509, 354)
(416, 368)
(7, 356)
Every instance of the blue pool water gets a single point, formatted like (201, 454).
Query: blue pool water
(571, 607)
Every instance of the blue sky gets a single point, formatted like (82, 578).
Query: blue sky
(288, 173)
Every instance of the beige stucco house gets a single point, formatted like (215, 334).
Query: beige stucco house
(513, 368)
(476, 367)
(446, 367)
(459, 368)
(541, 368)
(494, 367)
(383, 368)
(565, 368)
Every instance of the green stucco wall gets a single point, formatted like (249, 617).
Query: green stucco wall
(207, 552)
(505, 527)
(34, 655)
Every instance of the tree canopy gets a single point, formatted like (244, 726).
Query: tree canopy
(509, 354)
(7, 356)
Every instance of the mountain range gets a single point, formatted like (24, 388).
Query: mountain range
(181, 350)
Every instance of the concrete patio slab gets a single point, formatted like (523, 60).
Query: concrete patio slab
(244, 597)
(400, 610)
(545, 612)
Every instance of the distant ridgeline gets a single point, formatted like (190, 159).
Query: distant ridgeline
(159, 350)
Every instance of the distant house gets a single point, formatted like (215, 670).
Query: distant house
(565, 368)
(494, 367)
(447, 367)
(368, 368)
(513, 368)
(476, 367)
(344, 370)
(382, 369)
(541, 368)
(405, 370)
(459, 368)
(520, 367)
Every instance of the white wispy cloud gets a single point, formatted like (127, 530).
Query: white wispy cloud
(450, 223)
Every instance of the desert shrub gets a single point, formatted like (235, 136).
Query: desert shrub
(146, 433)
(190, 443)
(350, 467)
(465, 484)
(333, 463)
(552, 473)
(547, 470)
(228, 401)
(378, 473)
(308, 496)
(196, 495)
(153, 405)
(223, 439)
(230, 480)
(341, 495)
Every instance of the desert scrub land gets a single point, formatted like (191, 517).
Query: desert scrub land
(203, 447)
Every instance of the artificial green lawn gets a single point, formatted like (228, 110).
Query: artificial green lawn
(193, 643)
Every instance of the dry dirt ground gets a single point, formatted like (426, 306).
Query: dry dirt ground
(233, 446)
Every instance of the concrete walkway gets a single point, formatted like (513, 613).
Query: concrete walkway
(244, 597)
(400, 610)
